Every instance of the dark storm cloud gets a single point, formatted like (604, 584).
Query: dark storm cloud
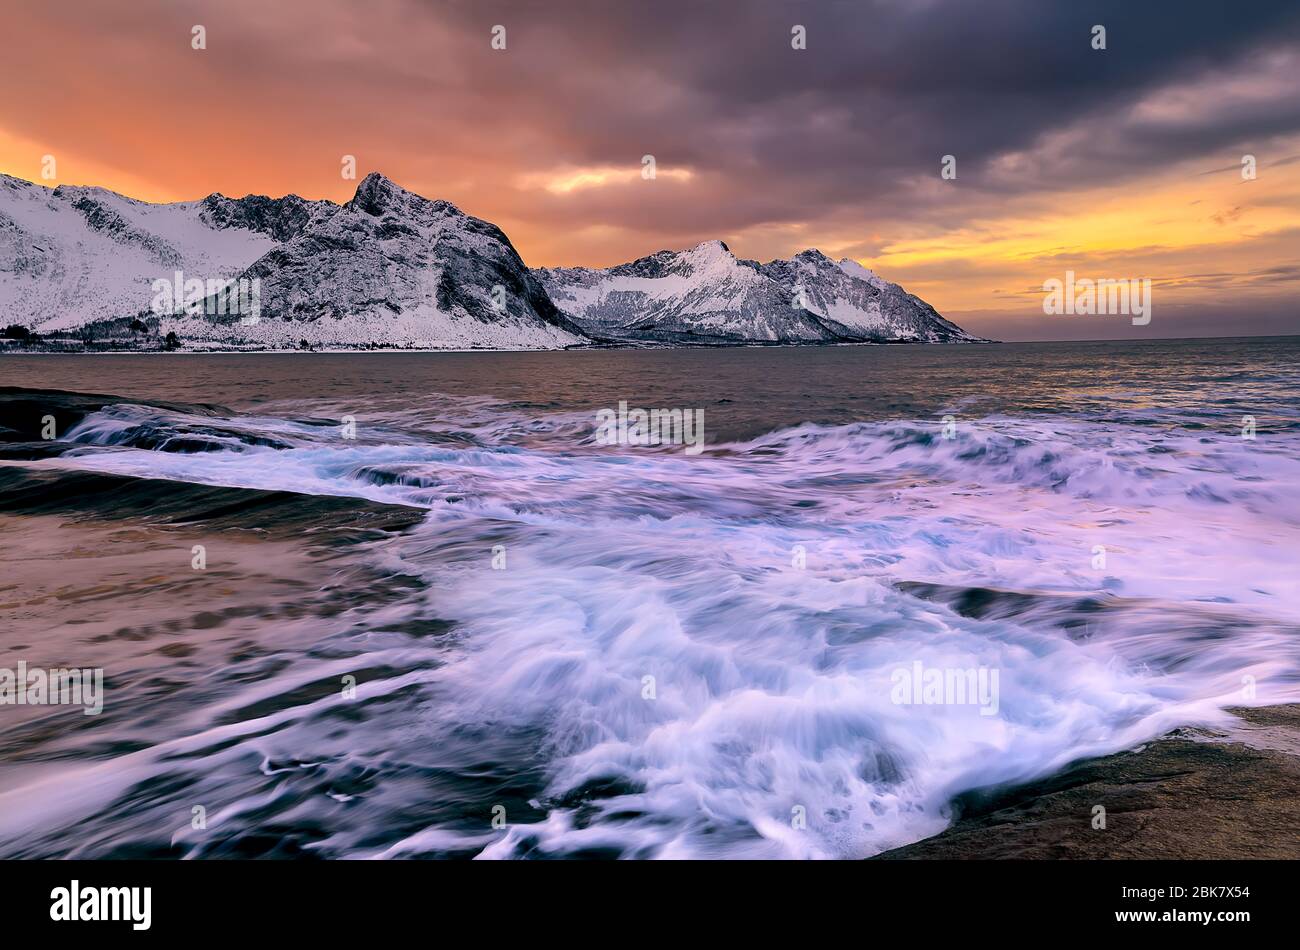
(770, 148)
(851, 129)
(883, 91)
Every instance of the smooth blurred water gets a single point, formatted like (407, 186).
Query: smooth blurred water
(746, 391)
(684, 655)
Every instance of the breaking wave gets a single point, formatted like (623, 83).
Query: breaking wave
(633, 652)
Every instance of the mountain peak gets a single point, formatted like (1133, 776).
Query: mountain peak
(855, 270)
(710, 249)
(376, 193)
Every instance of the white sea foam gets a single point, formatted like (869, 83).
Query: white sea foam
(770, 668)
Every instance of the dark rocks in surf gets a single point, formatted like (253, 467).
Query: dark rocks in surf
(34, 422)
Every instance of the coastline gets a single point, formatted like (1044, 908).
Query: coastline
(93, 350)
(1191, 794)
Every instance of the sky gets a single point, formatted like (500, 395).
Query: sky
(1117, 163)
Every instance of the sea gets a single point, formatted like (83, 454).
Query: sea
(416, 605)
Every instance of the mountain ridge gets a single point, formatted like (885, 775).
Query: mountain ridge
(706, 294)
(389, 268)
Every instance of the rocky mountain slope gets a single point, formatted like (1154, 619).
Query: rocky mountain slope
(708, 295)
(73, 255)
(388, 268)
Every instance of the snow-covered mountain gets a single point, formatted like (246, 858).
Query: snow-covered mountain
(388, 268)
(708, 295)
(72, 255)
(392, 269)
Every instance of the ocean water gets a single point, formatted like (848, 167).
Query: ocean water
(563, 648)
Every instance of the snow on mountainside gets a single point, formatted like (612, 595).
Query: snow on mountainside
(388, 268)
(707, 295)
(72, 255)
(395, 267)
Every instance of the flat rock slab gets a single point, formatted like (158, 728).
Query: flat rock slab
(1203, 797)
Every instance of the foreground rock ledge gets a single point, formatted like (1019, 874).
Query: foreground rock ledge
(1208, 796)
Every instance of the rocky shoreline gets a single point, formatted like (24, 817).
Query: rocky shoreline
(1193, 794)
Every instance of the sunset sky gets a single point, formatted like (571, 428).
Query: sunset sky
(1116, 163)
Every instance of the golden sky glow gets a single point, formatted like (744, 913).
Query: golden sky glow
(753, 145)
(1175, 225)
